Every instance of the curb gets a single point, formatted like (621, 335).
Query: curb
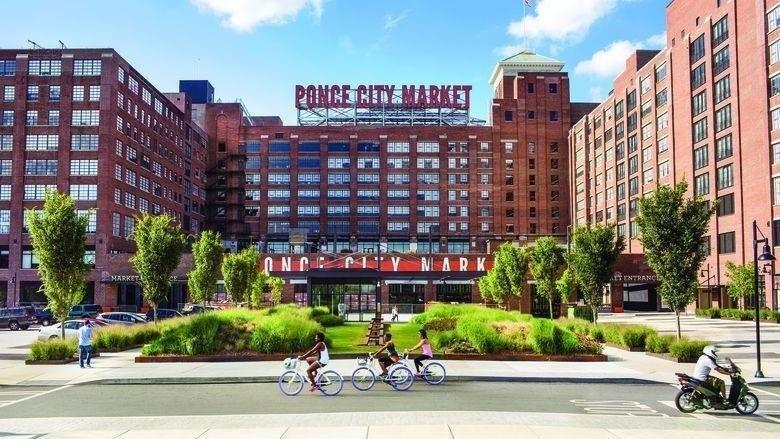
(460, 379)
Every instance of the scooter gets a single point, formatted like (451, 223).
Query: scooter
(694, 395)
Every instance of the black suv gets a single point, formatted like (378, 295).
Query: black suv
(80, 311)
(44, 317)
(17, 318)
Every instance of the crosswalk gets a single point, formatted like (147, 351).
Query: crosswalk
(15, 394)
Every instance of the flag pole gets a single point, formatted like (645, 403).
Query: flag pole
(525, 34)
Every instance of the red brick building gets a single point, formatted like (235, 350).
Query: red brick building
(85, 122)
(702, 110)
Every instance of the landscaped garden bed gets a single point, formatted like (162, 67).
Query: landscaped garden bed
(738, 314)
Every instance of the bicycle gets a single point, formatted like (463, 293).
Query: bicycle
(291, 382)
(399, 375)
(433, 372)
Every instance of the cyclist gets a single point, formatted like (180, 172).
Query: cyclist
(316, 362)
(392, 356)
(427, 352)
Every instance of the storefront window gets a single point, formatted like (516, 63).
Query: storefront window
(453, 293)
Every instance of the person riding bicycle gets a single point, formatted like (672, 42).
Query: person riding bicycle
(707, 362)
(392, 356)
(321, 360)
(427, 352)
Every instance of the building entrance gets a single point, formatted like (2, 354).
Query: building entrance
(353, 300)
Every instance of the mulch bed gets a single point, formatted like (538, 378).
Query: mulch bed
(280, 357)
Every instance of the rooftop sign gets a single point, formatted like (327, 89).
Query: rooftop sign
(378, 96)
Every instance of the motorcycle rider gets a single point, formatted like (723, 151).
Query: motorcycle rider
(707, 362)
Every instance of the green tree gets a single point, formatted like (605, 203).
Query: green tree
(594, 253)
(510, 270)
(239, 271)
(207, 254)
(159, 245)
(672, 230)
(487, 286)
(565, 284)
(741, 281)
(258, 289)
(276, 287)
(58, 235)
(546, 264)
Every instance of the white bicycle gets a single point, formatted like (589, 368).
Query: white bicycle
(433, 372)
(399, 375)
(291, 382)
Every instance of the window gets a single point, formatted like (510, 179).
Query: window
(129, 200)
(78, 93)
(94, 93)
(722, 89)
(428, 147)
(660, 72)
(54, 117)
(29, 259)
(338, 163)
(9, 93)
(508, 115)
(774, 85)
(552, 88)
(87, 192)
(725, 177)
(31, 118)
(700, 130)
(698, 76)
(86, 117)
(129, 227)
(397, 147)
(5, 222)
(83, 167)
(530, 87)
(45, 67)
(723, 118)
(86, 67)
(702, 184)
(775, 154)
(5, 168)
(553, 116)
(8, 118)
(42, 142)
(720, 61)
(725, 205)
(720, 31)
(308, 210)
(37, 191)
(33, 92)
(663, 169)
(774, 52)
(700, 157)
(40, 167)
(723, 147)
(697, 49)
(726, 242)
(7, 67)
(699, 103)
(5, 192)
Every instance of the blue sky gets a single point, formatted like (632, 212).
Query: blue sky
(257, 50)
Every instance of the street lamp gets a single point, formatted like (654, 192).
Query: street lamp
(766, 255)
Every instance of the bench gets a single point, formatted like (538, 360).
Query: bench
(375, 333)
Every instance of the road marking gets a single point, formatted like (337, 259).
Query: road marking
(771, 418)
(616, 407)
(765, 392)
(37, 394)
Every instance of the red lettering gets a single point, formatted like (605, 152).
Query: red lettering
(390, 90)
(311, 96)
(345, 89)
(467, 100)
(422, 97)
(300, 93)
(407, 96)
(446, 90)
(322, 96)
(334, 95)
(360, 99)
(433, 92)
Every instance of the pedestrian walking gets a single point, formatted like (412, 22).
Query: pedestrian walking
(394, 317)
(85, 343)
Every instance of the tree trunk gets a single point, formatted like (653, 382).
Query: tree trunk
(595, 314)
(154, 314)
(549, 299)
(62, 324)
(677, 315)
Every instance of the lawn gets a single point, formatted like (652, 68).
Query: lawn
(351, 336)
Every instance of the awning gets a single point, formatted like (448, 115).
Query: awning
(406, 281)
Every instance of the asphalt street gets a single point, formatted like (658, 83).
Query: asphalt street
(101, 400)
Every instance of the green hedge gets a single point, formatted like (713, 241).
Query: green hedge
(627, 336)
(328, 320)
(687, 350)
(115, 338)
(54, 349)
(709, 313)
(285, 331)
(659, 344)
(738, 314)
(548, 338)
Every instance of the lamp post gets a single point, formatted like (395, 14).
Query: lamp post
(766, 255)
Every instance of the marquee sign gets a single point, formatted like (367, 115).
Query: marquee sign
(389, 263)
(379, 95)
(620, 277)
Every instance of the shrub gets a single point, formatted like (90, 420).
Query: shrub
(597, 333)
(479, 333)
(583, 312)
(634, 336)
(546, 337)
(577, 326)
(440, 324)
(708, 313)
(328, 320)
(612, 334)
(687, 350)
(770, 315)
(205, 334)
(115, 338)
(659, 344)
(54, 349)
(442, 340)
(737, 314)
(284, 332)
(514, 335)
(319, 311)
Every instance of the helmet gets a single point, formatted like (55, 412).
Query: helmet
(710, 351)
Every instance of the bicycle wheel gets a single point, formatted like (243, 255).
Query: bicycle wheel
(363, 378)
(330, 383)
(434, 373)
(291, 383)
(401, 378)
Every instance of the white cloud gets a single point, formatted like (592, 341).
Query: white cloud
(244, 15)
(507, 51)
(392, 21)
(657, 40)
(596, 94)
(611, 60)
(561, 20)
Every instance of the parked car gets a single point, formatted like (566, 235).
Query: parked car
(79, 311)
(20, 317)
(43, 316)
(162, 314)
(121, 318)
(71, 329)
(198, 309)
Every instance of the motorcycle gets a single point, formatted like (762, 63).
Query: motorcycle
(694, 396)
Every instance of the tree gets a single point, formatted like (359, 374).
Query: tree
(159, 245)
(276, 287)
(741, 281)
(672, 230)
(58, 235)
(207, 255)
(239, 271)
(565, 284)
(546, 263)
(595, 251)
(485, 284)
(510, 270)
(258, 289)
